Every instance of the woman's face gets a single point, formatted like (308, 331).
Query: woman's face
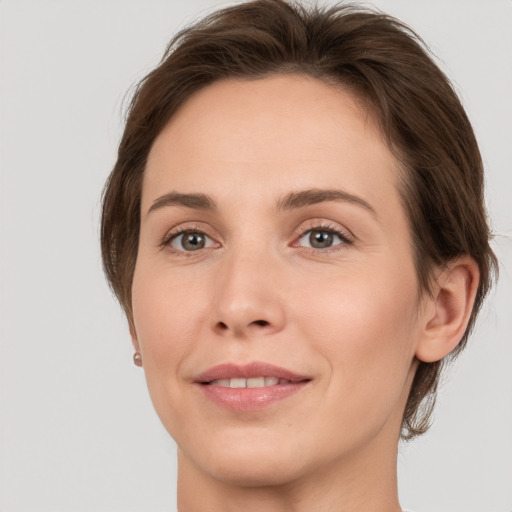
(275, 253)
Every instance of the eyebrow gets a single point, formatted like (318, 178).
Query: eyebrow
(314, 196)
(195, 201)
(291, 201)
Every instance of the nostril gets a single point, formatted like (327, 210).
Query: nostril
(261, 323)
(239, 329)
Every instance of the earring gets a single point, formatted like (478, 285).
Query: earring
(137, 359)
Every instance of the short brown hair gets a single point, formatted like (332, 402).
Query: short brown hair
(387, 66)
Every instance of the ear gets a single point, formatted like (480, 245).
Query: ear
(133, 334)
(449, 309)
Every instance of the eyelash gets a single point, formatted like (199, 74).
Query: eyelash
(345, 238)
(175, 233)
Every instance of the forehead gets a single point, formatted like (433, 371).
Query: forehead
(291, 131)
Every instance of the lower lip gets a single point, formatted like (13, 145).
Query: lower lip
(250, 399)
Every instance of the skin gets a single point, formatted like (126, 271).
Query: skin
(349, 316)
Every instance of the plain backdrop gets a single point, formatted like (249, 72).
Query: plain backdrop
(78, 432)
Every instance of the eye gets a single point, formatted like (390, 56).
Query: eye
(322, 238)
(190, 240)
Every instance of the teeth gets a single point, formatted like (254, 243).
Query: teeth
(237, 383)
(257, 382)
(254, 382)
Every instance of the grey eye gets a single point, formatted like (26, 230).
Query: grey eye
(320, 239)
(191, 241)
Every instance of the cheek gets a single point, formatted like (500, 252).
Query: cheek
(364, 325)
(166, 316)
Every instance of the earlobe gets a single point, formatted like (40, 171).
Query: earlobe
(449, 310)
(137, 357)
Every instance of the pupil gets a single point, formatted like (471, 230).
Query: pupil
(320, 239)
(193, 242)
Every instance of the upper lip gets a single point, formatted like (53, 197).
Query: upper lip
(248, 371)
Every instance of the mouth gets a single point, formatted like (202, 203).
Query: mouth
(253, 382)
(252, 375)
(249, 387)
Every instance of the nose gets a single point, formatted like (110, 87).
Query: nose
(249, 299)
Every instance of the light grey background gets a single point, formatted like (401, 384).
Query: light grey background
(78, 432)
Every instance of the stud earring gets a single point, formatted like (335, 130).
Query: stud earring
(137, 359)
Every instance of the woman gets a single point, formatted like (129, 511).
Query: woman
(295, 229)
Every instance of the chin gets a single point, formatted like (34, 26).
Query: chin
(249, 462)
(243, 471)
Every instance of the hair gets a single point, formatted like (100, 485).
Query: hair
(387, 66)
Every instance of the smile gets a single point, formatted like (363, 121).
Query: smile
(255, 382)
(249, 387)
